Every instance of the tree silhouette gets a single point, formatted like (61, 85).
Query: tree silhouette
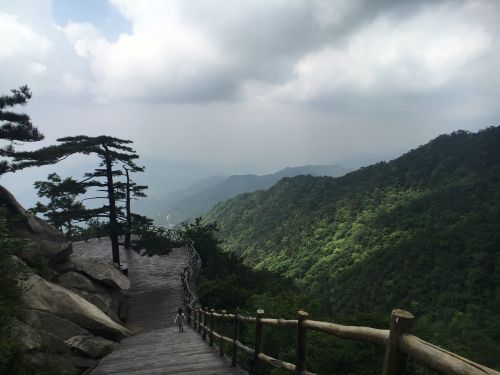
(132, 191)
(15, 128)
(112, 152)
(62, 210)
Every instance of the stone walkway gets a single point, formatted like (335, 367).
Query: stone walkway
(155, 296)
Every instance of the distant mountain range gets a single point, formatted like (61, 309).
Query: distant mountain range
(202, 196)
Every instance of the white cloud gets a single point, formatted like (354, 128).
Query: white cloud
(17, 38)
(422, 53)
(163, 56)
(85, 38)
(73, 84)
(37, 68)
(329, 13)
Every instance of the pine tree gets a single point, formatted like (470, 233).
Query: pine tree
(111, 151)
(132, 191)
(15, 128)
(62, 210)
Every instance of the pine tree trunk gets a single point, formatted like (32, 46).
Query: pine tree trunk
(113, 223)
(129, 217)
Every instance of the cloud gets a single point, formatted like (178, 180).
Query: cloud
(421, 54)
(270, 82)
(204, 51)
(35, 52)
(18, 39)
(163, 57)
(191, 51)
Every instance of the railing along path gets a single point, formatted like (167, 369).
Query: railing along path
(398, 342)
(155, 295)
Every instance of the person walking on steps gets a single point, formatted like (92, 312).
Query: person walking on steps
(180, 319)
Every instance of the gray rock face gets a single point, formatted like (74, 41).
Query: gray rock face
(51, 363)
(93, 291)
(103, 301)
(31, 339)
(93, 346)
(100, 269)
(26, 336)
(40, 294)
(57, 326)
(44, 240)
(77, 280)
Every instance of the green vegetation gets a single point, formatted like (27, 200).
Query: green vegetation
(62, 209)
(420, 233)
(201, 198)
(10, 297)
(226, 283)
(15, 127)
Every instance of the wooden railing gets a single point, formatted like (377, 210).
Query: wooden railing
(399, 344)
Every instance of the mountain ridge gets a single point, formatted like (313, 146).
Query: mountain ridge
(420, 232)
(202, 200)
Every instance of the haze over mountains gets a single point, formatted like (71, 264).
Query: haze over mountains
(203, 195)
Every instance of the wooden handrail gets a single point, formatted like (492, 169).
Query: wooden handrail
(366, 334)
(397, 341)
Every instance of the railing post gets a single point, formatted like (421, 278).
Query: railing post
(259, 343)
(223, 328)
(205, 313)
(211, 327)
(194, 318)
(188, 310)
(236, 337)
(200, 318)
(395, 360)
(300, 361)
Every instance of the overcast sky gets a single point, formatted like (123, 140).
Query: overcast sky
(253, 85)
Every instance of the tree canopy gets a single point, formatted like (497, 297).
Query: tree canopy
(113, 152)
(15, 128)
(62, 209)
(421, 232)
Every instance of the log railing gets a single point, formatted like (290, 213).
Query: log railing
(398, 342)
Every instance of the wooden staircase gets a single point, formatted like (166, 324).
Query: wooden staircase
(155, 295)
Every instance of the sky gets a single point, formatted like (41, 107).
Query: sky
(255, 85)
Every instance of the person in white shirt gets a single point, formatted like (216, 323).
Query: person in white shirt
(180, 319)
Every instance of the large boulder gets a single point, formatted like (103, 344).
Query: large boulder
(53, 363)
(103, 301)
(43, 295)
(43, 239)
(99, 269)
(25, 336)
(53, 324)
(78, 280)
(93, 291)
(30, 339)
(93, 346)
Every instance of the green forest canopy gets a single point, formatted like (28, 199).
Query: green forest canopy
(421, 233)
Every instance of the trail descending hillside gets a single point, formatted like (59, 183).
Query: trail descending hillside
(421, 233)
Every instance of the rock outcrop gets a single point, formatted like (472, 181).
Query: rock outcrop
(94, 347)
(76, 280)
(98, 269)
(43, 295)
(43, 240)
(71, 309)
(57, 326)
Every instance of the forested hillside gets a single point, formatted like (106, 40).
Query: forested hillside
(421, 233)
(210, 192)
